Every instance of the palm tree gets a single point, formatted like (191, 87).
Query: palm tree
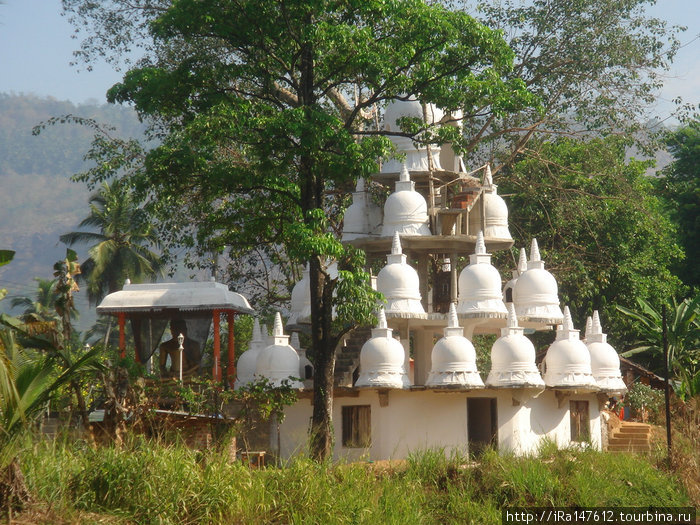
(120, 246)
(39, 308)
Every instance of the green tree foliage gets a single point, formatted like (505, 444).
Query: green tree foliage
(683, 335)
(120, 246)
(598, 224)
(595, 65)
(261, 129)
(680, 186)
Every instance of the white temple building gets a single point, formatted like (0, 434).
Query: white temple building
(412, 382)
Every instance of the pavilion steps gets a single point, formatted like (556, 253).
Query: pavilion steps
(630, 437)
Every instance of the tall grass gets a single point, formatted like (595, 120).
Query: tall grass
(149, 482)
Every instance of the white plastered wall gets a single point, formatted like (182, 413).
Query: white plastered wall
(425, 419)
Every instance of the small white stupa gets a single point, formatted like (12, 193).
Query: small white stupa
(513, 358)
(279, 361)
(520, 269)
(454, 358)
(605, 363)
(495, 211)
(382, 359)
(248, 361)
(480, 285)
(306, 368)
(536, 294)
(399, 283)
(416, 158)
(300, 307)
(405, 210)
(363, 217)
(568, 361)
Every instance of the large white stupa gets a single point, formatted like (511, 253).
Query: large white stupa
(513, 358)
(480, 285)
(405, 210)
(568, 361)
(248, 361)
(605, 363)
(495, 211)
(399, 283)
(536, 294)
(382, 359)
(279, 362)
(454, 358)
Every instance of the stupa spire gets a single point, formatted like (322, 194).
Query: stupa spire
(522, 261)
(480, 248)
(278, 330)
(404, 176)
(453, 321)
(596, 327)
(488, 177)
(534, 251)
(396, 244)
(381, 319)
(512, 319)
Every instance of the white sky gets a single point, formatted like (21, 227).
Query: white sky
(36, 48)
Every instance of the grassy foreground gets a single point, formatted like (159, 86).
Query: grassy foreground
(148, 482)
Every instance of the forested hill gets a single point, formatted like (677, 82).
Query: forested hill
(38, 201)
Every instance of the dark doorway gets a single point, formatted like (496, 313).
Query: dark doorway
(482, 424)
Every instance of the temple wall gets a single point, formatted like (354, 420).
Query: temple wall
(414, 420)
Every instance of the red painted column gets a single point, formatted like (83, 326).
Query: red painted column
(216, 372)
(122, 335)
(231, 371)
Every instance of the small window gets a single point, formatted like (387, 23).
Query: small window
(580, 422)
(357, 426)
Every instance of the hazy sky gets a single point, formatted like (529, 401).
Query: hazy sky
(36, 48)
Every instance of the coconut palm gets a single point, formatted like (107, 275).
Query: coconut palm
(39, 308)
(121, 242)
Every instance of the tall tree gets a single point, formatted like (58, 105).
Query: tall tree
(599, 224)
(121, 242)
(680, 186)
(260, 129)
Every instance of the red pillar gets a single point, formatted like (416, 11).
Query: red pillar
(231, 371)
(216, 372)
(122, 335)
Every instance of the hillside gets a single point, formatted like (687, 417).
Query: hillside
(38, 201)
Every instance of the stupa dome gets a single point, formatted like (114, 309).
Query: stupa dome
(454, 358)
(536, 294)
(279, 361)
(495, 212)
(405, 210)
(248, 361)
(605, 363)
(513, 358)
(510, 285)
(568, 361)
(399, 283)
(363, 217)
(480, 284)
(415, 159)
(300, 307)
(382, 359)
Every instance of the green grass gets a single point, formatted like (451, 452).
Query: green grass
(149, 482)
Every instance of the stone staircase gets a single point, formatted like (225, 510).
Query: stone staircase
(630, 437)
(347, 357)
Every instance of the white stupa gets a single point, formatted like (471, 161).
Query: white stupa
(495, 212)
(513, 358)
(536, 294)
(300, 307)
(405, 210)
(480, 285)
(416, 158)
(279, 361)
(382, 359)
(454, 358)
(510, 285)
(568, 361)
(248, 361)
(605, 363)
(399, 283)
(363, 217)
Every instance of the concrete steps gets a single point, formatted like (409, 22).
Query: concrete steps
(630, 437)
(347, 357)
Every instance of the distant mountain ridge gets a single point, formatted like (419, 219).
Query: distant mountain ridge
(38, 201)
